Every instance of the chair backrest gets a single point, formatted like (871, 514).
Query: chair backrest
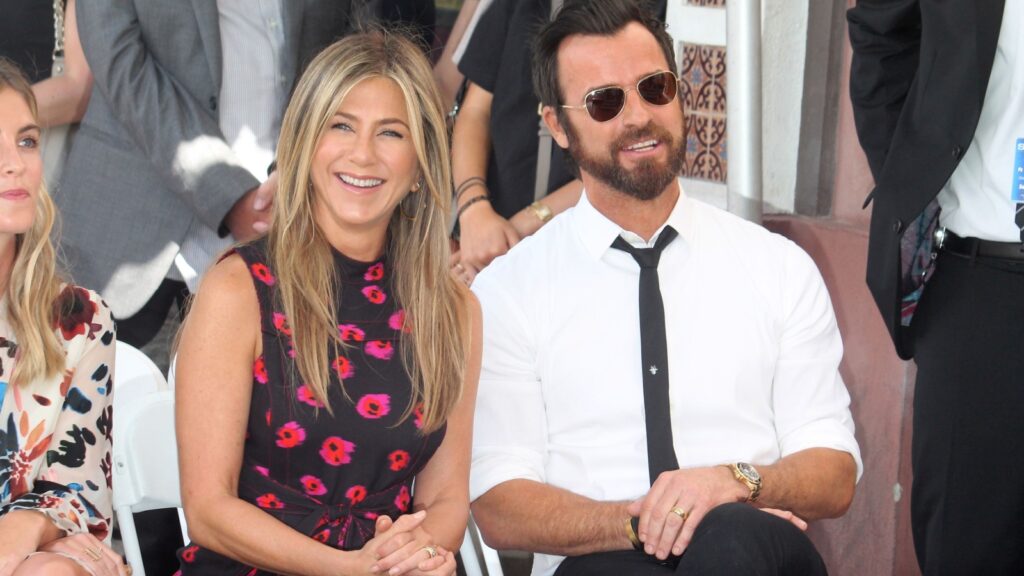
(135, 375)
(145, 452)
(474, 549)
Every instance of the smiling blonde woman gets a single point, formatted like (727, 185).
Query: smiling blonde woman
(325, 368)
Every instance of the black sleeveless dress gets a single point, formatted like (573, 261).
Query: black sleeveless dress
(328, 477)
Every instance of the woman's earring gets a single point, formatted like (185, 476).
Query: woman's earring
(417, 186)
(401, 208)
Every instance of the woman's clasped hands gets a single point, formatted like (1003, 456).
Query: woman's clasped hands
(403, 546)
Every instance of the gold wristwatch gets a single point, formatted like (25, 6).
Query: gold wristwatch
(749, 476)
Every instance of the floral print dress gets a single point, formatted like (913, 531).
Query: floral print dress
(55, 433)
(329, 476)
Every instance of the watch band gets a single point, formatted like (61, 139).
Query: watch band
(751, 480)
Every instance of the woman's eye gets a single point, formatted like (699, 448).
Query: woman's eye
(392, 134)
(344, 126)
(29, 142)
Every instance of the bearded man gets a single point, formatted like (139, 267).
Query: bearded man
(660, 389)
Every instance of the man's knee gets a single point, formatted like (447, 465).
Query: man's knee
(739, 538)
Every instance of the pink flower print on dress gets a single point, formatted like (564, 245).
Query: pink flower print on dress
(399, 459)
(259, 371)
(351, 333)
(262, 470)
(305, 395)
(189, 554)
(374, 273)
(290, 435)
(261, 271)
(397, 322)
(281, 323)
(343, 367)
(375, 294)
(269, 501)
(313, 485)
(380, 349)
(337, 451)
(355, 494)
(403, 499)
(418, 415)
(374, 406)
(322, 535)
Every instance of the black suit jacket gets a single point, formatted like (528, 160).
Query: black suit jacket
(917, 82)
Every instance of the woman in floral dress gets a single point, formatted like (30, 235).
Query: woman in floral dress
(56, 359)
(326, 367)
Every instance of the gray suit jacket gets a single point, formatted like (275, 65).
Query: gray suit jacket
(149, 156)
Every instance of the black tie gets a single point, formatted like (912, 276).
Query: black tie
(661, 454)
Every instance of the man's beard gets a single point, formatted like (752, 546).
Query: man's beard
(644, 182)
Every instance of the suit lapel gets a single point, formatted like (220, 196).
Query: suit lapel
(209, 28)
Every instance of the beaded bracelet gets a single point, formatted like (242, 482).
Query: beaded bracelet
(469, 203)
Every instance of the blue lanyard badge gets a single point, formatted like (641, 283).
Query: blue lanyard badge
(3, 391)
(1017, 194)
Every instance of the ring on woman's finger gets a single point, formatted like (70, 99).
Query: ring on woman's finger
(94, 553)
(431, 551)
(683, 514)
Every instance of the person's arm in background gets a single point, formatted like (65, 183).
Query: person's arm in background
(527, 221)
(484, 234)
(63, 99)
(446, 72)
(886, 38)
(174, 129)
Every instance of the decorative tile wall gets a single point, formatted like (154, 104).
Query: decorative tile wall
(703, 81)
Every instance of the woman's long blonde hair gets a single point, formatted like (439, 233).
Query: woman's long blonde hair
(433, 351)
(34, 284)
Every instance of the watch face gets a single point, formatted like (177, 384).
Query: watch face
(748, 471)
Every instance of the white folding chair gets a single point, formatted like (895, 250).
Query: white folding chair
(145, 452)
(473, 549)
(135, 375)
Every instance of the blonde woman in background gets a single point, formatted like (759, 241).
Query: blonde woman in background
(324, 368)
(56, 358)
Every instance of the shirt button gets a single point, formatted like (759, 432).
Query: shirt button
(897, 226)
(213, 103)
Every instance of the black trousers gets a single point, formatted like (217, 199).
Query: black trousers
(151, 330)
(967, 500)
(732, 539)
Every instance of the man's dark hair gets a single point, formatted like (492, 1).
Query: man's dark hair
(591, 18)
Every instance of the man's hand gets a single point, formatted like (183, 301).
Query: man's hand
(483, 236)
(249, 218)
(695, 491)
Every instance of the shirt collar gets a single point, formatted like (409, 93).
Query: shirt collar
(597, 232)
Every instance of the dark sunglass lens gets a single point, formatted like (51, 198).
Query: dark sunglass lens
(658, 89)
(606, 103)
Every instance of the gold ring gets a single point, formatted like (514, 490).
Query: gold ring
(683, 514)
(431, 550)
(94, 553)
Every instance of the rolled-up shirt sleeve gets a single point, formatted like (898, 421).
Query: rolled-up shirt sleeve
(510, 431)
(811, 402)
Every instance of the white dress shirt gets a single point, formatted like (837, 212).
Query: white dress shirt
(253, 96)
(976, 201)
(753, 346)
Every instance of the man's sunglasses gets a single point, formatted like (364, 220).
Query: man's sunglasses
(604, 104)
